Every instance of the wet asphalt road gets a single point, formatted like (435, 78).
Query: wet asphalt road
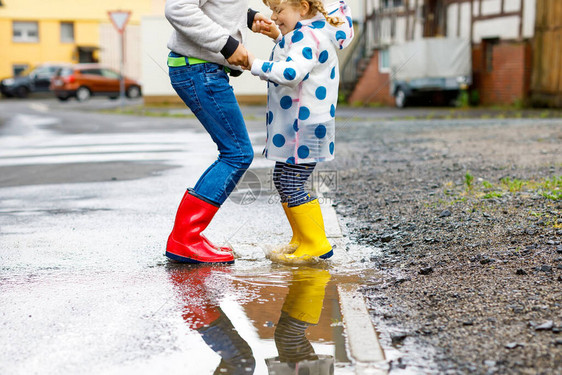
(86, 203)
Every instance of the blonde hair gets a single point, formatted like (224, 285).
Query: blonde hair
(316, 6)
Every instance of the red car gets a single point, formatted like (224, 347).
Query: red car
(85, 80)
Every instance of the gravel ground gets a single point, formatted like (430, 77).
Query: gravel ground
(468, 216)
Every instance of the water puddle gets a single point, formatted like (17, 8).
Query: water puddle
(281, 320)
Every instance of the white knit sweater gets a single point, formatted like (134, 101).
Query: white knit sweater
(203, 27)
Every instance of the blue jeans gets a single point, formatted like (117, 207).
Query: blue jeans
(205, 89)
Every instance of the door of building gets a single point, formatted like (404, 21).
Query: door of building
(546, 83)
(435, 16)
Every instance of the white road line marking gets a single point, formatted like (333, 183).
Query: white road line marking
(64, 149)
(39, 107)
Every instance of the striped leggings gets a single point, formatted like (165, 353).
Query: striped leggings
(289, 180)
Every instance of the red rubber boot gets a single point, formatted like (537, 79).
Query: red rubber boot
(221, 248)
(185, 243)
(190, 285)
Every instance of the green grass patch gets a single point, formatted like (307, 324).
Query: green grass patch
(549, 188)
(553, 183)
(555, 196)
(493, 194)
(512, 185)
(468, 180)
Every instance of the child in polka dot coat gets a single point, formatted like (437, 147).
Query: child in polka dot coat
(303, 79)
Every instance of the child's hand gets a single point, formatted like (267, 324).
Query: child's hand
(251, 59)
(265, 26)
(239, 57)
(266, 29)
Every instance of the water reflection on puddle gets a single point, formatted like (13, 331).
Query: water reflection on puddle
(280, 320)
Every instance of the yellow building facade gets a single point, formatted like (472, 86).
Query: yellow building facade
(72, 31)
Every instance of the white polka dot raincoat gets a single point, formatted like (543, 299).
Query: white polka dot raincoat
(303, 80)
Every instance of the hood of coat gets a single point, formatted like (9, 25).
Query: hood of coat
(341, 36)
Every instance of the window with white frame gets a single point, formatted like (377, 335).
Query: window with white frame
(392, 3)
(384, 61)
(17, 69)
(67, 32)
(25, 32)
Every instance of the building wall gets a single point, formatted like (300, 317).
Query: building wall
(154, 35)
(505, 27)
(155, 32)
(508, 80)
(357, 9)
(393, 29)
(110, 54)
(158, 7)
(373, 87)
(90, 22)
(49, 48)
(72, 10)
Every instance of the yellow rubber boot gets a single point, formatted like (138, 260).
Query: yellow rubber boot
(313, 242)
(295, 240)
(306, 294)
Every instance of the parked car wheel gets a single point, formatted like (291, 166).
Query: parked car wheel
(133, 92)
(400, 98)
(22, 92)
(83, 93)
(62, 98)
